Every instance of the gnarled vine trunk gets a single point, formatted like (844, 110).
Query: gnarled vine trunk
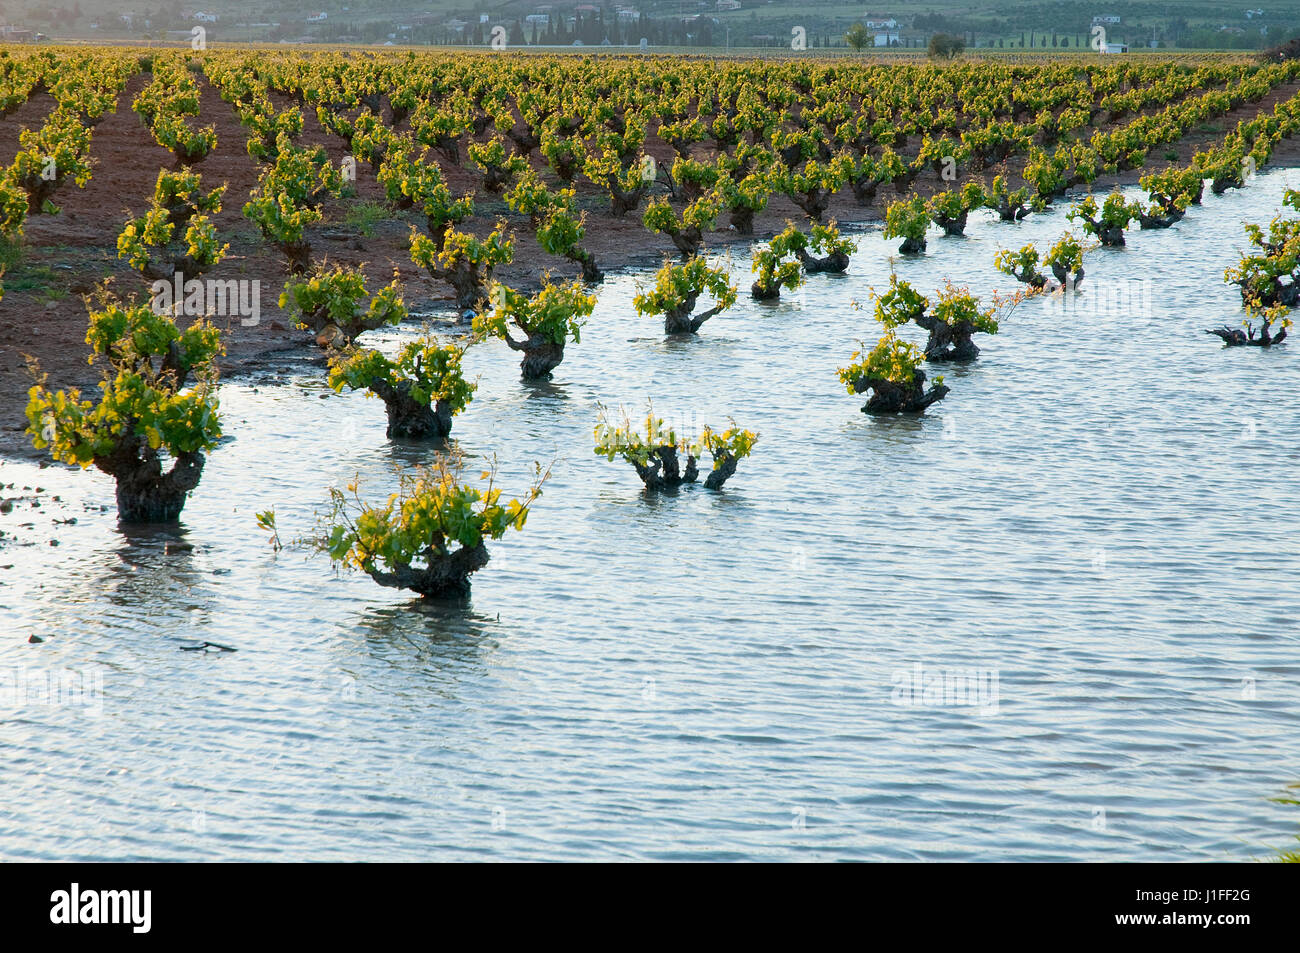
(1010, 213)
(541, 355)
(1236, 337)
(724, 467)
(1284, 292)
(408, 418)
(835, 263)
(814, 202)
(172, 264)
(590, 273)
(742, 220)
(912, 246)
(946, 342)
(952, 226)
(1029, 275)
(1065, 278)
(680, 321)
(467, 280)
(864, 190)
(894, 397)
(145, 494)
(622, 201)
(299, 255)
(444, 575)
(1111, 236)
(663, 469)
(1161, 219)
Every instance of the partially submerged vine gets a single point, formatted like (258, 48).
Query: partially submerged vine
(547, 319)
(464, 261)
(678, 287)
(823, 249)
(777, 266)
(157, 405)
(892, 372)
(1107, 222)
(950, 209)
(1064, 259)
(908, 219)
(1271, 275)
(655, 451)
(1265, 336)
(952, 318)
(422, 388)
(431, 535)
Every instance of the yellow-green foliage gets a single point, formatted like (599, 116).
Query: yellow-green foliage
(432, 369)
(637, 444)
(139, 393)
(892, 359)
(336, 295)
(907, 218)
(432, 510)
(555, 312)
(676, 285)
(463, 249)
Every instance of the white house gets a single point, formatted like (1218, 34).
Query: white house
(318, 17)
(206, 17)
(728, 4)
(886, 39)
(890, 24)
(1109, 21)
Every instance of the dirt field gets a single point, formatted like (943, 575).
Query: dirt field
(67, 255)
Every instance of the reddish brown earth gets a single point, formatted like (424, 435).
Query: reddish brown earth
(43, 315)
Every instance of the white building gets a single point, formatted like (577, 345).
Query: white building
(1109, 21)
(318, 17)
(886, 39)
(890, 24)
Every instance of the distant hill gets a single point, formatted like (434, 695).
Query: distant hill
(1011, 24)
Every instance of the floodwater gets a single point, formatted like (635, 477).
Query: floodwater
(1096, 530)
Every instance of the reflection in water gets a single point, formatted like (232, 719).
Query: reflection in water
(668, 675)
(152, 571)
(544, 389)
